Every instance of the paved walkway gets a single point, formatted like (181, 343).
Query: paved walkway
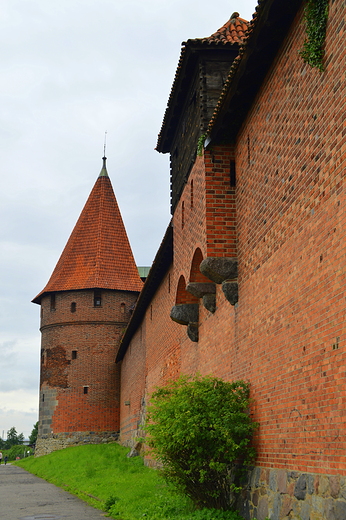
(26, 497)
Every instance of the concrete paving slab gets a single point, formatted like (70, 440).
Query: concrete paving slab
(26, 497)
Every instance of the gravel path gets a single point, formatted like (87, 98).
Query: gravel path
(26, 497)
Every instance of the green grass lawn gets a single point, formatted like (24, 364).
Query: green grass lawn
(104, 477)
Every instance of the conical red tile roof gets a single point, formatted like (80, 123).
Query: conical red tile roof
(98, 254)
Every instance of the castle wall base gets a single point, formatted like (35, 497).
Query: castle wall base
(57, 441)
(279, 494)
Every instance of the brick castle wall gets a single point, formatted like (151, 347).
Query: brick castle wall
(286, 334)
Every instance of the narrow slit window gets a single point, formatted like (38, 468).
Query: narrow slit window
(122, 308)
(97, 299)
(85, 389)
(52, 302)
(73, 307)
(74, 354)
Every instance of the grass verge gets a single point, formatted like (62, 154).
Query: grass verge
(104, 477)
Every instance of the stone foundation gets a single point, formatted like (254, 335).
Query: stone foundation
(278, 494)
(57, 441)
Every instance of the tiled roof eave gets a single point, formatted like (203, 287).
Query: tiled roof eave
(43, 293)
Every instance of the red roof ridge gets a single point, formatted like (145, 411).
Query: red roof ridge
(233, 31)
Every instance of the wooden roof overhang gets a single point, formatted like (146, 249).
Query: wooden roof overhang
(272, 22)
(191, 54)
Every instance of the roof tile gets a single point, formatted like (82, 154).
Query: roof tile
(98, 253)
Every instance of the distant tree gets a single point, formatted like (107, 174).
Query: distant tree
(33, 435)
(13, 438)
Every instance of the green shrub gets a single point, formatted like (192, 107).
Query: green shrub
(200, 430)
(17, 451)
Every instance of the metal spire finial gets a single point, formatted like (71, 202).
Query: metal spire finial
(104, 172)
(104, 145)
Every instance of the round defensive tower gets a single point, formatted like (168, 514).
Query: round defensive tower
(85, 308)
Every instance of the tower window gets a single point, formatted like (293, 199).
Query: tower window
(73, 306)
(122, 308)
(52, 302)
(97, 299)
(85, 389)
(43, 398)
(74, 354)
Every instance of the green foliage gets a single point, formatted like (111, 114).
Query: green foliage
(316, 16)
(200, 430)
(200, 144)
(17, 451)
(13, 438)
(123, 486)
(110, 502)
(33, 435)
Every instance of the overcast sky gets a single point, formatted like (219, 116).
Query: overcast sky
(71, 70)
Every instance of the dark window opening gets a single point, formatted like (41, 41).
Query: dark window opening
(43, 398)
(85, 389)
(74, 354)
(73, 306)
(122, 308)
(52, 302)
(97, 299)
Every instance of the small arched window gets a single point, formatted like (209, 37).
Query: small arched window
(122, 308)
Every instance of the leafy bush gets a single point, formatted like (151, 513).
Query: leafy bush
(200, 430)
(17, 451)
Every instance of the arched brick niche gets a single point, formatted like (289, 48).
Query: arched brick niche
(186, 309)
(195, 273)
(199, 285)
(182, 295)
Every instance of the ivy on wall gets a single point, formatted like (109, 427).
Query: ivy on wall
(316, 16)
(200, 144)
